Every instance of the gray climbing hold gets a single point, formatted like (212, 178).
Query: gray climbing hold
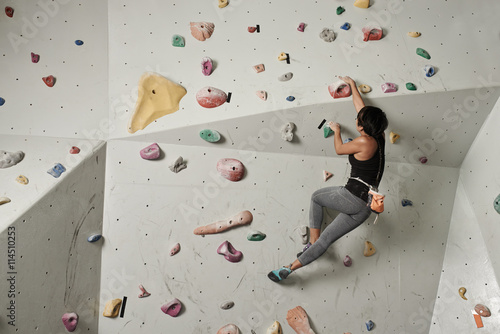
(212, 136)
(57, 170)
(178, 165)
(496, 204)
(328, 35)
(226, 305)
(287, 131)
(286, 76)
(9, 159)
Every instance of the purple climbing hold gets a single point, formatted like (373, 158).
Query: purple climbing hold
(70, 320)
(301, 27)
(347, 261)
(35, 58)
(423, 160)
(206, 66)
(229, 252)
(389, 87)
(172, 308)
(152, 152)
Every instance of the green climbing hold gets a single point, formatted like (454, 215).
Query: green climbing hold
(256, 236)
(410, 86)
(327, 131)
(178, 41)
(340, 10)
(423, 53)
(211, 136)
(496, 204)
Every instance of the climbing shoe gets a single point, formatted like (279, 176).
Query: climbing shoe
(279, 274)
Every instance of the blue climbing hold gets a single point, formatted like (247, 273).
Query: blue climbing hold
(406, 202)
(346, 26)
(290, 98)
(2, 101)
(496, 204)
(369, 325)
(79, 42)
(347, 140)
(94, 238)
(429, 71)
(57, 170)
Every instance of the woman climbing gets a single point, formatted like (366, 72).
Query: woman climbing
(367, 159)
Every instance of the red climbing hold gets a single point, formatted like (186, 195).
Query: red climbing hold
(9, 11)
(49, 81)
(35, 58)
(372, 33)
(210, 97)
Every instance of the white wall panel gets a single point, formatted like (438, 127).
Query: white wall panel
(149, 209)
(481, 178)
(467, 263)
(41, 154)
(458, 36)
(52, 268)
(77, 104)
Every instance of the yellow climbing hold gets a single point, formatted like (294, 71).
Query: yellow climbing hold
(222, 3)
(362, 3)
(157, 97)
(369, 249)
(112, 308)
(393, 136)
(461, 292)
(414, 34)
(364, 89)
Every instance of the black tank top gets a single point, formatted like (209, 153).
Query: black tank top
(367, 171)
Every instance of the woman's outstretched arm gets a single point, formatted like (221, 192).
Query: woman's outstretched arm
(356, 97)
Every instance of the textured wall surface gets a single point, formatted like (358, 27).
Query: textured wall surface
(149, 209)
(467, 264)
(51, 267)
(76, 106)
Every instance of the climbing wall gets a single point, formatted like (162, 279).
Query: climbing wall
(458, 37)
(149, 209)
(48, 267)
(76, 105)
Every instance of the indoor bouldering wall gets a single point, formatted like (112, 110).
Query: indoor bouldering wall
(49, 267)
(471, 259)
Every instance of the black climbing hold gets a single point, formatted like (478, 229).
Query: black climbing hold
(321, 124)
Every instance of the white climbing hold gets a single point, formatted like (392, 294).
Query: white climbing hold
(9, 159)
(287, 131)
(178, 165)
(4, 200)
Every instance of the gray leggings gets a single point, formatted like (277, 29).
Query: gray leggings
(353, 212)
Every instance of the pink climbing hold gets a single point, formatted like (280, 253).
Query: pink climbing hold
(339, 89)
(172, 308)
(389, 87)
(49, 81)
(231, 169)
(35, 58)
(175, 249)
(9, 11)
(210, 97)
(143, 293)
(206, 66)
(230, 253)
(152, 152)
(262, 94)
(202, 30)
(70, 320)
(301, 27)
(372, 33)
(74, 150)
